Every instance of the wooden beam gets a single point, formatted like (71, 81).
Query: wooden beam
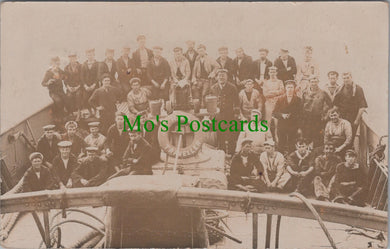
(195, 197)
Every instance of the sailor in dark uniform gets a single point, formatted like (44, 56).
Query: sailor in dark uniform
(243, 64)
(64, 164)
(105, 99)
(78, 144)
(117, 140)
(191, 55)
(37, 177)
(89, 76)
(158, 72)
(286, 65)
(47, 144)
(53, 80)
(92, 170)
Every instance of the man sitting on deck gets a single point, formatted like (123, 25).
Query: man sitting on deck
(92, 170)
(64, 164)
(47, 144)
(37, 177)
(246, 170)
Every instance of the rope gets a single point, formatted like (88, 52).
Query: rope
(316, 215)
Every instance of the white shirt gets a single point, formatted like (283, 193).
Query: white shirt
(244, 160)
(144, 57)
(38, 174)
(65, 161)
(262, 69)
(285, 63)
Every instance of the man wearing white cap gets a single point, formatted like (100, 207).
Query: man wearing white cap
(64, 164)
(37, 177)
(95, 139)
(275, 174)
(47, 143)
(78, 143)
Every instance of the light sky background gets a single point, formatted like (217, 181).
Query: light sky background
(350, 36)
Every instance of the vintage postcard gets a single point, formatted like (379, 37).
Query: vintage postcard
(194, 125)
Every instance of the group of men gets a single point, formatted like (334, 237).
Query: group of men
(305, 121)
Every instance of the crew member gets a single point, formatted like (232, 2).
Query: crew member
(287, 68)
(244, 65)
(64, 164)
(142, 56)
(37, 177)
(47, 144)
(158, 73)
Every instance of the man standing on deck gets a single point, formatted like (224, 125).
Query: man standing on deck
(142, 56)
(126, 70)
(64, 164)
(108, 66)
(89, 77)
(158, 73)
(332, 88)
(287, 68)
(47, 144)
(351, 102)
(261, 69)
(73, 83)
(180, 66)
(244, 65)
(105, 99)
(191, 55)
(226, 62)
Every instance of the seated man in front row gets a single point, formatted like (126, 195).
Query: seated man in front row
(349, 182)
(246, 170)
(37, 177)
(64, 164)
(137, 157)
(299, 165)
(92, 170)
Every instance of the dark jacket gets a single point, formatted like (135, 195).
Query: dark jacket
(73, 76)
(31, 182)
(117, 141)
(137, 57)
(230, 66)
(123, 76)
(228, 101)
(94, 170)
(90, 76)
(283, 74)
(141, 152)
(244, 70)
(56, 87)
(294, 108)
(78, 144)
(158, 72)
(62, 174)
(192, 61)
(238, 169)
(103, 68)
(48, 152)
(256, 69)
(106, 98)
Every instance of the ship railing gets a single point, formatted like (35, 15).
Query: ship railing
(246, 202)
(375, 161)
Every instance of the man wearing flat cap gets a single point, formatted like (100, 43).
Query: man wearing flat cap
(117, 140)
(205, 69)
(180, 66)
(138, 98)
(158, 73)
(89, 77)
(246, 170)
(37, 177)
(287, 68)
(243, 64)
(332, 88)
(47, 143)
(92, 170)
(105, 99)
(95, 139)
(261, 68)
(142, 56)
(191, 55)
(108, 66)
(126, 70)
(64, 164)
(73, 83)
(226, 62)
(53, 80)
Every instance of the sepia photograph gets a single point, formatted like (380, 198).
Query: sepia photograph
(194, 125)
